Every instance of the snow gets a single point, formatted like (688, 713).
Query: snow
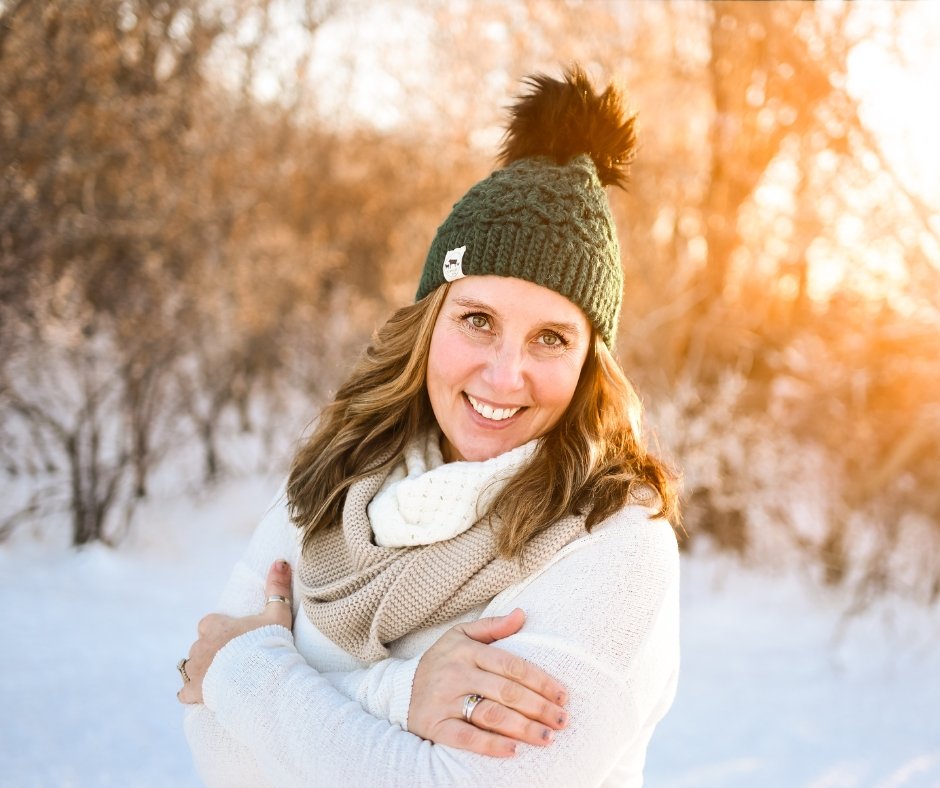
(778, 687)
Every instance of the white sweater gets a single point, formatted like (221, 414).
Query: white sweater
(285, 709)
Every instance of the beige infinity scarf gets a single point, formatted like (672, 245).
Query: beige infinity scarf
(363, 596)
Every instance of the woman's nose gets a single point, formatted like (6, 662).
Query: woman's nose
(504, 370)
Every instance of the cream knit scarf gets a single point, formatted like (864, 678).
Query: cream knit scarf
(427, 554)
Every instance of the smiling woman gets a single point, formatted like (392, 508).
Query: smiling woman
(484, 458)
(505, 358)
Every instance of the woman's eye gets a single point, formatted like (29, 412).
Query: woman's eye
(553, 340)
(478, 321)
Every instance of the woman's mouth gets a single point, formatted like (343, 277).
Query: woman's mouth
(491, 413)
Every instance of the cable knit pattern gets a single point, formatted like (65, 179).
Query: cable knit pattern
(601, 616)
(544, 222)
(362, 595)
(423, 500)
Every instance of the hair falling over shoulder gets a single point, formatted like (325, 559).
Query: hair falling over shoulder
(593, 461)
(382, 404)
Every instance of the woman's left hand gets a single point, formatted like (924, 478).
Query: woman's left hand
(215, 630)
(519, 702)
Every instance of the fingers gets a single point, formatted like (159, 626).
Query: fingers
(519, 674)
(200, 657)
(279, 580)
(215, 630)
(522, 705)
(191, 691)
(208, 623)
(486, 630)
(463, 736)
(498, 719)
(503, 663)
(521, 702)
(278, 584)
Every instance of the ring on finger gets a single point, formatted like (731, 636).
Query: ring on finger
(181, 667)
(278, 598)
(469, 704)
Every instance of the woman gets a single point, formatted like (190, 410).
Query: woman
(479, 477)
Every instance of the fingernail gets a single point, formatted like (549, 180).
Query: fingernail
(562, 719)
(281, 566)
(547, 734)
(561, 699)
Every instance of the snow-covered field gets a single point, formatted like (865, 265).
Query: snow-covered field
(777, 688)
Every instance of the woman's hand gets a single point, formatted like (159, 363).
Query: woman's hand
(215, 630)
(521, 703)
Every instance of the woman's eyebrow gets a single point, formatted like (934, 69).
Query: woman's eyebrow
(470, 303)
(564, 328)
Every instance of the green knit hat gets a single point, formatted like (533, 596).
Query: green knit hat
(544, 217)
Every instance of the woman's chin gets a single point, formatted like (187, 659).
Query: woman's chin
(479, 450)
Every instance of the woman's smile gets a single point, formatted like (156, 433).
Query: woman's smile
(490, 412)
(504, 361)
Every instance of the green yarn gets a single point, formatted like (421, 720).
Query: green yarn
(544, 222)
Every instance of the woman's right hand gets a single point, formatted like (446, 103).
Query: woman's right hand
(521, 703)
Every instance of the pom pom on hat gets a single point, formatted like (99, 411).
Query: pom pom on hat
(544, 217)
(564, 118)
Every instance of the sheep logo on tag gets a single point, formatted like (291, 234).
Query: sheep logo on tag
(453, 264)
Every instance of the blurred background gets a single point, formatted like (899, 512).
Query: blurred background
(207, 207)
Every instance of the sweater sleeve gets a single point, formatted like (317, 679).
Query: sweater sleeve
(602, 618)
(383, 689)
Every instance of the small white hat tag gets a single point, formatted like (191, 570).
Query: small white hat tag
(453, 264)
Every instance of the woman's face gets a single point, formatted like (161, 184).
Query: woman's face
(504, 362)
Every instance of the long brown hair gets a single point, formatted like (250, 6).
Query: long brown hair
(593, 461)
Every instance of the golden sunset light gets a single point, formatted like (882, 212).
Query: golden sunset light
(229, 267)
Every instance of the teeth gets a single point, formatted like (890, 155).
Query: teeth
(496, 414)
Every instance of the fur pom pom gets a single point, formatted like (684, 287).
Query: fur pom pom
(564, 118)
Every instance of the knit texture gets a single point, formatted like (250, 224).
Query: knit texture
(362, 595)
(544, 222)
(425, 500)
(601, 616)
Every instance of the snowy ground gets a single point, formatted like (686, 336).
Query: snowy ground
(776, 689)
